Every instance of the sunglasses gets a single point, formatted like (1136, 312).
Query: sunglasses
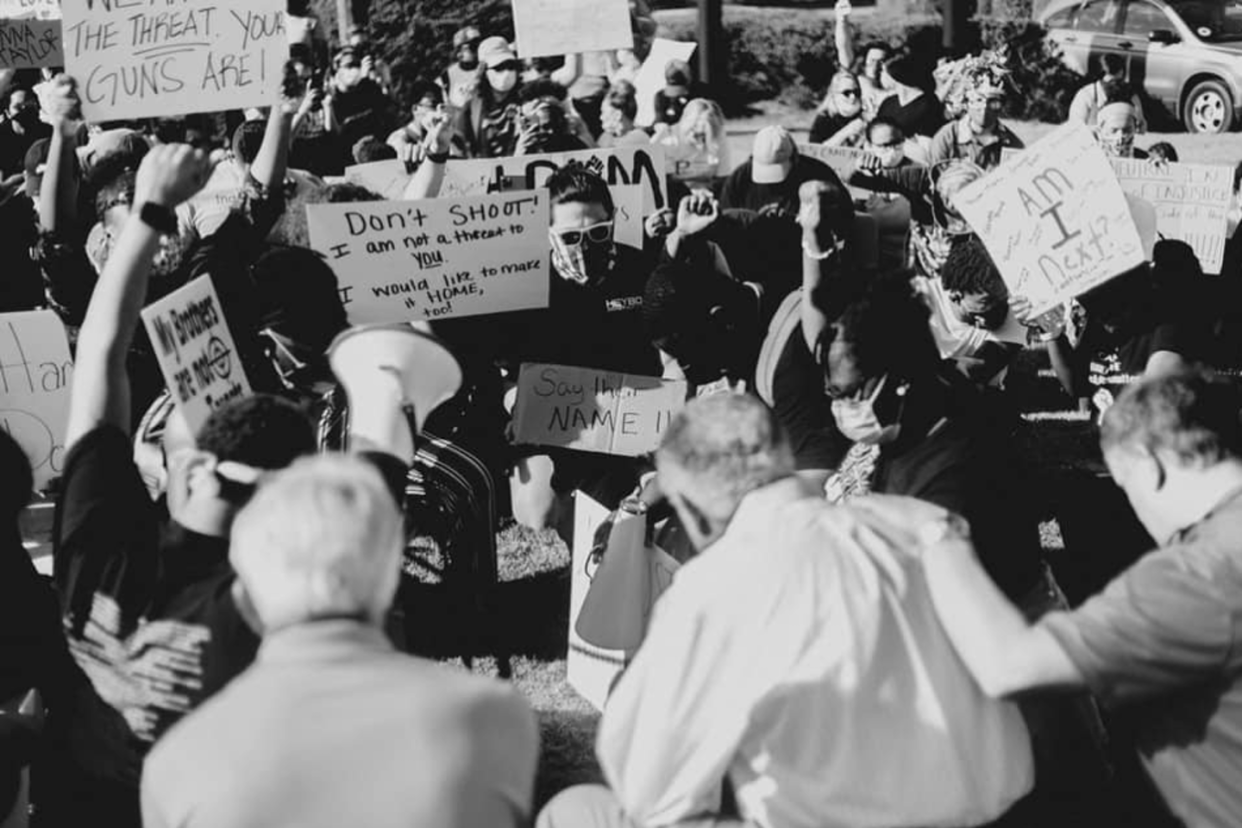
(507, 66)
(599, 233)
(849, 93)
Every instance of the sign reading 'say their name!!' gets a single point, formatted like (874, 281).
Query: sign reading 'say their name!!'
(147, 58)
(1054, 218)
(589, 410)
(397, 261)
(195, 350)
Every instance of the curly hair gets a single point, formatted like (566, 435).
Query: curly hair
(887, 325)
(263, 431)
(969, 268)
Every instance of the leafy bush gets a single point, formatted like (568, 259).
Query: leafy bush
(1045, 86)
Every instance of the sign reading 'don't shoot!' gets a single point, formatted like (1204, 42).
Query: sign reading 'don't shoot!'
(148, 58)
(1054, 218)
(397, 261)
(195, 350)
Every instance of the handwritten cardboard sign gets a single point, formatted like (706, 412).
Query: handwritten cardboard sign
(620, 165)
(402, 260)
(1191, 202)
(29, 43)
(650, 78)
(35, 371)
(565, 27)
(196, 351)
(841, 159)
(1054, 218)
(134, 59)
(600, 411)
(386, 178)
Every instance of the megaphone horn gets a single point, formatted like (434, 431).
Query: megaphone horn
(387, 370)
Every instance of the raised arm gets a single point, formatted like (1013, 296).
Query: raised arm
(169, 175)
(426, 181)
(58, 194)
(843, 35)
(818, 245)
(271, 162)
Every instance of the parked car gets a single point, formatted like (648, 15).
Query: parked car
(1182, 55)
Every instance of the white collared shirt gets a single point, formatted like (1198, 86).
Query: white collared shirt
(811, 670)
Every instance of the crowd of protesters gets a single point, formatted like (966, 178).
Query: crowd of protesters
(867, 628)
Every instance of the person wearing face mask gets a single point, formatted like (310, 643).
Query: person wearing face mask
(913, 105)
(898, 188)
(838, 121)
(696, 148)
(594, 319)
(19, 129)
(1115, 128)
(356, 105)
(617, 115)
(460, 80)
(975, 85)
(489, 122)
(1112, 85)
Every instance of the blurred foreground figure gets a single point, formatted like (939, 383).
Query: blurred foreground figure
(795, 662)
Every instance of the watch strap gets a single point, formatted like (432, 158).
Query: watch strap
(158, 217)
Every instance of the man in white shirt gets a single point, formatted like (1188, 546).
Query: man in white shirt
(796, 661)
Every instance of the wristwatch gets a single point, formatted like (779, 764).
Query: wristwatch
(158, 217)
(947, 527)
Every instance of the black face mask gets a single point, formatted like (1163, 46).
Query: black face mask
(27, 118)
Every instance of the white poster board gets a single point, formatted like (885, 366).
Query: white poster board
(387, 178)
(643, 166)
(398, 261)
(592, 670)
(650, 77)
(1054, 218)
(35, 372)
(29, 43)
(843, 160)
(196, 350)
(137, 60)
(589, 410)
(37, 9)
(1191, 202)
(566, 27)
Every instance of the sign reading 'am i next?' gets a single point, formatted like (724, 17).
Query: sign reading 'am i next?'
(196, 352)
(397, 261)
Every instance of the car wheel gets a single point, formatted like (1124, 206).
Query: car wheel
(1209, 108)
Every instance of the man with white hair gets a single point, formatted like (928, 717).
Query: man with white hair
(796, 661)
(332, 725)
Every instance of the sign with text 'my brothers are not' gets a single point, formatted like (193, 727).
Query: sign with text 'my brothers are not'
(621, 165)
(566, 27)
(196, 351)
(1054, 218)
(589, 410)
(397, 261)
(35, 370)
(140, 59)
(1191, 202)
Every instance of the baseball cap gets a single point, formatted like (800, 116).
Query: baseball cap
(773, 155)
(495, 51)
(468, 35)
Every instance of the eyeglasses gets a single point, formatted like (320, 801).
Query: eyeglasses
(893, 144)
(507, 66)
(599, 233)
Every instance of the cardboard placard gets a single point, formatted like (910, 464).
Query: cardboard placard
(620, 165)
(137, 60)
(196, 351)
(35, 373)
(591, 670)
(566, 27)
(1191, 202)
(589, 410)
(650, 78)
(30, 9)
(398, 261)
(30, 43)
(841, 159)
(387, 178)
(1054, 218)
(627, 201)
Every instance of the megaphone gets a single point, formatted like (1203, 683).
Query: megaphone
(394, 377)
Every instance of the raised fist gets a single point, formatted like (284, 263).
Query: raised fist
(170, 174)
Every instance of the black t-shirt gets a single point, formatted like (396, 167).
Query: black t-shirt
(825, 126)
(922, 116)
(598, 326)
(741, 192)
(956, 450)
(361, 111)
(147, 610)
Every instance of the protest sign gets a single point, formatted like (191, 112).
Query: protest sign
(627, 200)
(1054, 218)
(29, 43)
(135, 60)
(35, 370)
(30, 9)
(841, 159)
(591, 670)
(1191, 202)
(398, 261)
(196, 351)
(650, 78)
(620, 165)
(387, 178)
(589, 410)
(566, 27)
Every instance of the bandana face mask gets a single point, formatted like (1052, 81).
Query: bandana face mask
(583, 256)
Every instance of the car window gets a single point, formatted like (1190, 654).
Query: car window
(1064, 19)
(1099, 16)
(1212, 20)
(1142, 18)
